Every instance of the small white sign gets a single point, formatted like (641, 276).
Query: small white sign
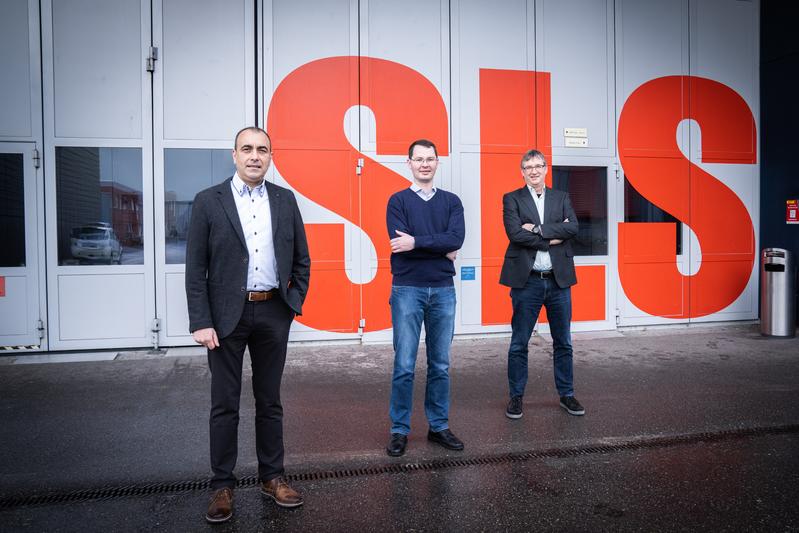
(576, 142)
(575, 132)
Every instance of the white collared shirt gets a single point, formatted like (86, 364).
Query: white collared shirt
(542, 260)
(423, 194)
(256, 222)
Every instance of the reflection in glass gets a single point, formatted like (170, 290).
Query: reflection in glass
(187, 171)
(99, 205)
(588, 191)
(639, 209)
(12, 210)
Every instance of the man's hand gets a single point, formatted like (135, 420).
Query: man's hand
(403, 243)
(453, 255)
(207, 337)
(529, 226)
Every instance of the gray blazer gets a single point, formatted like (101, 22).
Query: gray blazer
(217, 257)
(518, 208)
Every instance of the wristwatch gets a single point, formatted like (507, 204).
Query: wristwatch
(537, 229)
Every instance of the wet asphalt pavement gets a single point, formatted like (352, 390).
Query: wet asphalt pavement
(686, 429)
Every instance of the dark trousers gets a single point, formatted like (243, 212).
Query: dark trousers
(527, 303)
(264, 328)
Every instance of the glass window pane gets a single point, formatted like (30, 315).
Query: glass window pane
(639, 209)
(12, 210)
(187, 171)
(588, 191)
(99, 204)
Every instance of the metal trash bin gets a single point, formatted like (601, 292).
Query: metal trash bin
(777, 293)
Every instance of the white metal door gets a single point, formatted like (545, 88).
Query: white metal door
(20, 284)
(651, 42)
(98, 173)
(204, 92)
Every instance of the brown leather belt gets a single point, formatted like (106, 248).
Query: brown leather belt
(261, 296)
(543, 274)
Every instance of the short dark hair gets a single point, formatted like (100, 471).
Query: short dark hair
(251, 128)
(532, 154)
(421, 142)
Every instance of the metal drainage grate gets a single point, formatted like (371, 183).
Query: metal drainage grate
(107, 493)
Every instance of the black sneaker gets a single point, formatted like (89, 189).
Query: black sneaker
(572, 406)
(514, 409)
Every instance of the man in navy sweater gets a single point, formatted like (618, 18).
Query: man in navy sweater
(426, 228)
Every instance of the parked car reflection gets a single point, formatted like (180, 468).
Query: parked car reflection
(96, 242)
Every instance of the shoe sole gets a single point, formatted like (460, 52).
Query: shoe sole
(281, 504)
(512, 416)
(392, 454)
(218, 520)
(573, 413)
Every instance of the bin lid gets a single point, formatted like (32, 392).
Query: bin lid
(775, 252)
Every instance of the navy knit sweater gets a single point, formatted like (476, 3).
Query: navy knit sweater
(438, 228)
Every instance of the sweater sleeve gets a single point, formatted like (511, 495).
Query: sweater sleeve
(395, 217)
(451, 239)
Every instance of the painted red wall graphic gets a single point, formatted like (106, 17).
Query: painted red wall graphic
(655, 166)
(515, 115)
(314, 156)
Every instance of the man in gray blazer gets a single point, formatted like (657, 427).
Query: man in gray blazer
(247, 273)
(539, 269)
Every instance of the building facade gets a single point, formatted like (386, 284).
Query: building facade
(115, 113)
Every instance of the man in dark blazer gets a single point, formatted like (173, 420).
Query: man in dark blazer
(247, 273)
(539, 269)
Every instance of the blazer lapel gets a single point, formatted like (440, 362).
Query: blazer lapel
(526, 200)
(225, 192)
(274, 205)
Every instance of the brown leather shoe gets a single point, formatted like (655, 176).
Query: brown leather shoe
(279, 490)
(220, 509)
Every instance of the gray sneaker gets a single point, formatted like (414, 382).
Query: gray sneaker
(572, 406)
(514, 409)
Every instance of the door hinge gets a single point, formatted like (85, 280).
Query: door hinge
(40, 328)
(618, 173)
(37, 159)
(359, 166)
(618, 316)
(152, 57)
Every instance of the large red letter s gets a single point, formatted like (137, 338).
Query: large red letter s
(657, 169)
(313, 154)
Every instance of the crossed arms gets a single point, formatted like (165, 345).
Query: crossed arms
(549, 234)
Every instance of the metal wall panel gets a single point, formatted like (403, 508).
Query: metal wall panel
(577, 49)
(97, 69)
(207, 79)
(15, 63)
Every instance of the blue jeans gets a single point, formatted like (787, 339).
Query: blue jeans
(410, 306)
(527, 302)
